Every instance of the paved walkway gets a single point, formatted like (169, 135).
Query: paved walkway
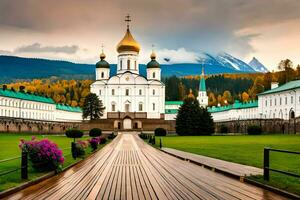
(128, 168)
(231, 168)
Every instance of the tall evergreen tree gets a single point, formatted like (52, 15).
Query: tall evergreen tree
(193, 119)
(92, 107)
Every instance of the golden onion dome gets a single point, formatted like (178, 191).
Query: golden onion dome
(102, 56)
(128, 43)
(153, 56)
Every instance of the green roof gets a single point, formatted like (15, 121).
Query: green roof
(236, 105)
(68, 108)
(171, 111)
(288, 86)
(173, 102)
(25, 96)
(202, 86)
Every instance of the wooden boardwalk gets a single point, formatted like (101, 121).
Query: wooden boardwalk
(128, 168)
(231, 168)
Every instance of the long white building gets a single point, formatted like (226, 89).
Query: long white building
(29, 106)
(281, 102)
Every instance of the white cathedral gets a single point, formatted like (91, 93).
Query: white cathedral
(128, 93)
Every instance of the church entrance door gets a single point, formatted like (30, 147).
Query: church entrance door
(127, 123)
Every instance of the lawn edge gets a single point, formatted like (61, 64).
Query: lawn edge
(271, 188)
(22, 186)
(241, 178)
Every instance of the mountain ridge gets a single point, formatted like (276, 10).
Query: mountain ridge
(14, 67)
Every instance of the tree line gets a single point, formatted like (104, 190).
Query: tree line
(221, 89)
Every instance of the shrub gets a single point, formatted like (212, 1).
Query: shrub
(102, 140)
(74, 133)
(43, 154)
(160, 132)
(254, 130)
(223, 129)
(95, 132)
(111, 136)
(94, 142)
(80, 147)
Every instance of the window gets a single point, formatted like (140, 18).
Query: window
(153, 92)
(153, 106)
(113, 107)
(281, 101)
(270, 102)
(128, 64)
(292, 99)
(102, 74)
(275, 102)
(285, 100)
(121, 64)
(266, 103)
(99, 92)
(153, 75)
(140, 107)
(113, 92)
(135, 65)
(127, 92)
(140, 92)
(127, 107)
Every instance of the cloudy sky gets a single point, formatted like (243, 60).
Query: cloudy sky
(75, 29)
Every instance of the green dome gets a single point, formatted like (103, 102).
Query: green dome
(102, 64)
(153, 64)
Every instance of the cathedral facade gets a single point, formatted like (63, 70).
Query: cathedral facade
(128, 95)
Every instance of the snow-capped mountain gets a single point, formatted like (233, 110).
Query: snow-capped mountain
(257, 66)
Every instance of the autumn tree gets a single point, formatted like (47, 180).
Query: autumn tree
(245, 97)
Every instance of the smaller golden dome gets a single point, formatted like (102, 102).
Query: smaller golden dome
(153, 56)
(102, 56)
(128, 43)
(191, 95)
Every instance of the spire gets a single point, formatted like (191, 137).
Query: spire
(153, 55)
(127, 20)
(102, 55)
(202, 86)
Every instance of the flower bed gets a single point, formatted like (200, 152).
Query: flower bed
(43, 154)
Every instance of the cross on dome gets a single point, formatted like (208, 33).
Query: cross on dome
(127, 20)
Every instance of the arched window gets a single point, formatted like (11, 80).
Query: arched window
(153, 91)
(128, 64)
(113, 92)
(140, 92)
(102, 74)
(153, 75)
(153, 106)
(127, 92)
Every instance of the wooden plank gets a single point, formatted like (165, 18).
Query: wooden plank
(128, 168)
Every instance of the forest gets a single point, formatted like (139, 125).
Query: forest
(221, 89)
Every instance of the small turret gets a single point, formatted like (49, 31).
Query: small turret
(202, 95)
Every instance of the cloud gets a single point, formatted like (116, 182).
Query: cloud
(196, 25)
(4, 52)
(38, 48)
(180, 55)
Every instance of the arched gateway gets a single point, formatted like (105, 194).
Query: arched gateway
(127, 123)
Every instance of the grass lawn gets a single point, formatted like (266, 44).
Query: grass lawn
(246, 150)
(9, 149)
